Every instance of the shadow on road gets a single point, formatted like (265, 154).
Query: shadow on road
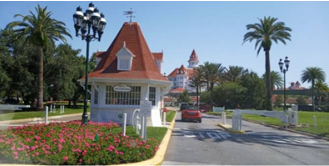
(265, 138)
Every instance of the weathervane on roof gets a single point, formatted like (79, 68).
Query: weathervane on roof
(130, 13)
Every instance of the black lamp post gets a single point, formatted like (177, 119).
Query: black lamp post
(84, 22)
(284, 70)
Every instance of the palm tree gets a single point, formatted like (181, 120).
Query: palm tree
(312, 74)
(39, 30)
(204, 68)
(197, 82)
(322, 90)
(234, 73)
(276, 80)
(213, 73)
(264, 33)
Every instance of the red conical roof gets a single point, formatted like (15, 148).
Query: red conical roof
(193, 57)
(143, 65)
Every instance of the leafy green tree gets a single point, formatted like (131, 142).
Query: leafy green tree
(322, 91)
(197, 82)
(213, 73)
(301, 100)
(264, 33)
(4, 53)
(18, 63)
(234, 73)
(312, 74)
(254, 97)
(184, 97)
(60, 72)
(278, 101)
(276, 80)
(205, 97)
(39, 30)
(229, 94)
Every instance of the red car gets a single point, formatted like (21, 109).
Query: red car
(192, 113)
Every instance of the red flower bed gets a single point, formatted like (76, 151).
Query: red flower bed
(73, 143)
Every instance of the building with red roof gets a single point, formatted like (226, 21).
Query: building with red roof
(181, 76)
(127, 73)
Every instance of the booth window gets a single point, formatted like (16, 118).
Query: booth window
(152, 93)
(123, 98)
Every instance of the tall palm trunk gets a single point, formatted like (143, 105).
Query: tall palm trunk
(212, 94)
(208, 86)
(197, 96)
(313, 95)
(40, 82)
(268, 80)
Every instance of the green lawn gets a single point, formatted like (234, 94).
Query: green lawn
(304, 117)
(170, 116)
(38, 114)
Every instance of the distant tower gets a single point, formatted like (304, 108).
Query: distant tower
(193, 62)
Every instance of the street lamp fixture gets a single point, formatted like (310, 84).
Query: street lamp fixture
(284, 70)
(83, 22)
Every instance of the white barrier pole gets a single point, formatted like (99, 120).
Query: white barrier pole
(51, 108)
(296, 118)
(287, 117)
(240, 122)
(233, 119)
(224, 118)
(314, 121)
(237, 122)
(137, 124)
(46, 114)
(164, 118)
(54, 109)
(124, 124)
(143, 126)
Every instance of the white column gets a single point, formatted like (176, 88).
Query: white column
(124, 124)
(46, 114)
(101, 94)
(314, 121)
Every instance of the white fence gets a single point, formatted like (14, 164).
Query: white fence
(218, 109)
(9, 107)
(290, 119)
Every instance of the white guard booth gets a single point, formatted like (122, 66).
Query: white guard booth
(126, 74)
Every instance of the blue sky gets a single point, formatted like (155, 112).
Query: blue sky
(214, 29)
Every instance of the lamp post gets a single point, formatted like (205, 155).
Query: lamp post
(284, 70)
(84, 22)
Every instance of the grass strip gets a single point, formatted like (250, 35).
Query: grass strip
(170, 116)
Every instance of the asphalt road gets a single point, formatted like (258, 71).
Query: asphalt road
(205, 143)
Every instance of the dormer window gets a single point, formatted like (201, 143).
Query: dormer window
(125, 58)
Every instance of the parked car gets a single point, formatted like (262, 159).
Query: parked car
(183, 106)
(11, 101)
(192, 113)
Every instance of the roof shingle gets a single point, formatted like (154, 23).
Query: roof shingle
(143, 65)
